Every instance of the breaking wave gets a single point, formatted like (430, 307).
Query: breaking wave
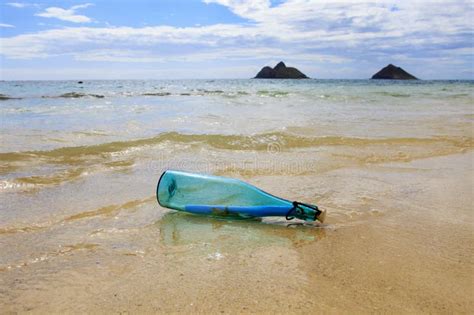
(257, 142)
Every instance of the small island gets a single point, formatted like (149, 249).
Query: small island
(280, 71)
(392, 72)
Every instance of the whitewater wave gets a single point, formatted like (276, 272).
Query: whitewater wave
(257, 142)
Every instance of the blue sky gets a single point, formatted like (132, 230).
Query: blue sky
(164, 39)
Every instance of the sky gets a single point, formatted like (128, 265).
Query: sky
(180, 39)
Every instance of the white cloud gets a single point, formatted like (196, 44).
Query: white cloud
(81, 6)
(16, 4)
(239, 54)
(244, 8)
(388, 16)
(66, 14)
(21, 5)
(6, 25)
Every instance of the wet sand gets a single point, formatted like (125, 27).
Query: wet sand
(398, 239)
(392, 163)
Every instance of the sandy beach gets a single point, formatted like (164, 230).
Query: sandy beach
(414, 257)
(82, 232)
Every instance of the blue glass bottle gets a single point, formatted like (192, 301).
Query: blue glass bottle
(221, 196)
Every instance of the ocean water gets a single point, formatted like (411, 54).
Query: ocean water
(80, 163)
(56, 132)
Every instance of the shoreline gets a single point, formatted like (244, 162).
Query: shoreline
(394, 260)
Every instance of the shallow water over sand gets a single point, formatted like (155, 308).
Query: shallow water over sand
(81, 231)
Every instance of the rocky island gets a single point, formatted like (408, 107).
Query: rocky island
(392, 72)
(280, 71)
